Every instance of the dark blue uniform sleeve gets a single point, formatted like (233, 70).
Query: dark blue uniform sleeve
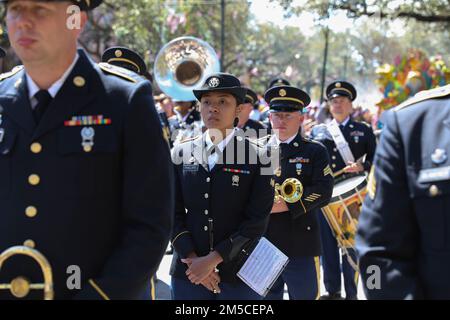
(318, 193)
(147, 200)
(181, 236)
(371, 147)
(387, 232)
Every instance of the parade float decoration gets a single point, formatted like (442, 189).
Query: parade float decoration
(410, 73)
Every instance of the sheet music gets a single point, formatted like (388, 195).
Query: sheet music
(263, 267)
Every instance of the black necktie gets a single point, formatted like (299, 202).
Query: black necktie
(44, 98)
(341, 126)
(283, 147)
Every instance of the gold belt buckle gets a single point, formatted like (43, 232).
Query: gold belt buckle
(20, 287)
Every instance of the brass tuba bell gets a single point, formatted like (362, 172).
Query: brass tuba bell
(183, 65)
(20, 286)
(291, 190)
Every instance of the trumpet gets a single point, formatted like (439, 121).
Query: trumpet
(20, 286)
(291, 190)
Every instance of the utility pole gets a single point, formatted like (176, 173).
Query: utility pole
(222, 38)
(324, 65)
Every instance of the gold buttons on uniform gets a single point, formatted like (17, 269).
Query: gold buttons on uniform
(31, 212)
(205, 228)
(208, 179)
(434, 190)
(34, 179)
(36, 147)
(29, 243)
(206, 212)
(333, 165)
(206, 196)
(333, 157)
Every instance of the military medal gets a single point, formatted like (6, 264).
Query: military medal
(298, 168)
(87, 134)
(235, 181)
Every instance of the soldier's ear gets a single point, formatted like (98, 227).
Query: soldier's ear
(238, 109)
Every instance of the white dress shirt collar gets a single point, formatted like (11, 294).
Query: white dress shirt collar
(54, 88)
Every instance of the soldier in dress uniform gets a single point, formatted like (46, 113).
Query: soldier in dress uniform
(252, 128)
(294, 225)
(275, 82)
(86, 191)
(131, 60)
(223, 198)
(189, 124)
(358, 139)
(278, 81)
(402, 239)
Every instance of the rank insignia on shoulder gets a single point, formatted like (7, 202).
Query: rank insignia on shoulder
(79, 121)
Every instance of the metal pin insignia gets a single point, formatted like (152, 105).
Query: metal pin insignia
(439, 156)
(87, 135)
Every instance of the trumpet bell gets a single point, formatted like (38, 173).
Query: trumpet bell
(182, 65)
(290, 191)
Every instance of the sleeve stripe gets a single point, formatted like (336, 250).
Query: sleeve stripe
(99, 291)
(178, 235)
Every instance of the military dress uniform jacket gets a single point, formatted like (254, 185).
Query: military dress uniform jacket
(405, 220)
(296, 232)
(104, 208)
(237, 195)
(360, 138)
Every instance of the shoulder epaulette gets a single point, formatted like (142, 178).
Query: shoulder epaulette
(308, 140)
(425, 95)
(120, 72)
(9, 74)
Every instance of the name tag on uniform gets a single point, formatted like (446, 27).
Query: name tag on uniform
(190, 167)
(357, 134)
(435, 174)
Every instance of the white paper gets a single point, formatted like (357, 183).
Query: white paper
(263, 267)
